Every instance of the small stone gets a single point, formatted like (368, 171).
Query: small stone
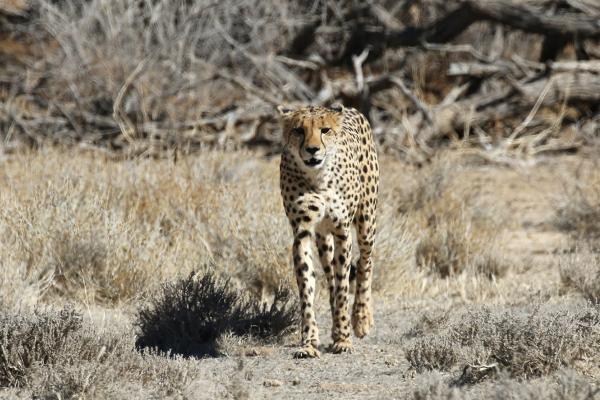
(272, 383)
(296, 382)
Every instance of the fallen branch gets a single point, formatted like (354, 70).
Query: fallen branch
(480, 109)
(522, 15)
(504, 67)
(127, 127)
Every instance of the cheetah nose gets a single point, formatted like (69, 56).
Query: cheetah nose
(311, 150)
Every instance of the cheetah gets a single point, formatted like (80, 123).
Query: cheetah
(329, 180)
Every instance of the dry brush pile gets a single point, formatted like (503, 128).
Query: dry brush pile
(502, 76)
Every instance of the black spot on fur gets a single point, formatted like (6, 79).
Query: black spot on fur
(303, 234)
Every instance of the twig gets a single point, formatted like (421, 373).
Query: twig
(358, 61)
(453, 95)
(532, 113)
(414, 99)
(458, 48)
(127, 127)
(313, 66)
(250, 88)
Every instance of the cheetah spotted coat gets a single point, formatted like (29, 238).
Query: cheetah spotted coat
(329, 177)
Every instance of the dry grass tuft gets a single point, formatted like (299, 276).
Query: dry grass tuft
(440, 354)
(445, 245)
(98, 231)
(528, 342)
(190, 315)
(565, 384)
(428, 323)
(455, 236)
(32, 339)
(432, 386)
(577, 212)
(581, 272)
(453, 240)
(58, 355)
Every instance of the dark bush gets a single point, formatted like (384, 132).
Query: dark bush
(189, 315)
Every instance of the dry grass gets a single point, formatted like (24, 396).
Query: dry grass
(105, 234)
(581, 272)
(562, 385)
(577, 211)
(98, 231)
(55, 355)
(527, 342)
(28, 340)
(455, 235)
(86, 228)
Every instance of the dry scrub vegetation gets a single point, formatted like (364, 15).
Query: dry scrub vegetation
(190, 316)
(578, 210)
(144, 251)
(524, 342)
(105, 235)
(123, 238)
(104, 232)
(55, 355)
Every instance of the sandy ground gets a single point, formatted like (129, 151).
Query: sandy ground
(378, 368)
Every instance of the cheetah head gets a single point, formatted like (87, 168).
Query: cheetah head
(311, 133)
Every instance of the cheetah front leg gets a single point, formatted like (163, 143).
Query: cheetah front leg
(341, 264)
(325, 248)
(305, 277)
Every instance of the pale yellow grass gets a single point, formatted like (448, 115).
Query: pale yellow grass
(77, 225)
(80, 225)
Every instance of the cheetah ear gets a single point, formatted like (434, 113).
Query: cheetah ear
(284, 111)
(337, 107)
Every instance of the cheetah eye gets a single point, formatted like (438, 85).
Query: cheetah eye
(325, 130)
(298, 131)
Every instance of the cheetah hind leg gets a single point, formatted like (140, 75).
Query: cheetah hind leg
(362, 320)
(362, 311)
(362, 316)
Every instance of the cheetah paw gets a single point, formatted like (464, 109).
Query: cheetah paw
(362, 322)
(341, 346)
(307, 351)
